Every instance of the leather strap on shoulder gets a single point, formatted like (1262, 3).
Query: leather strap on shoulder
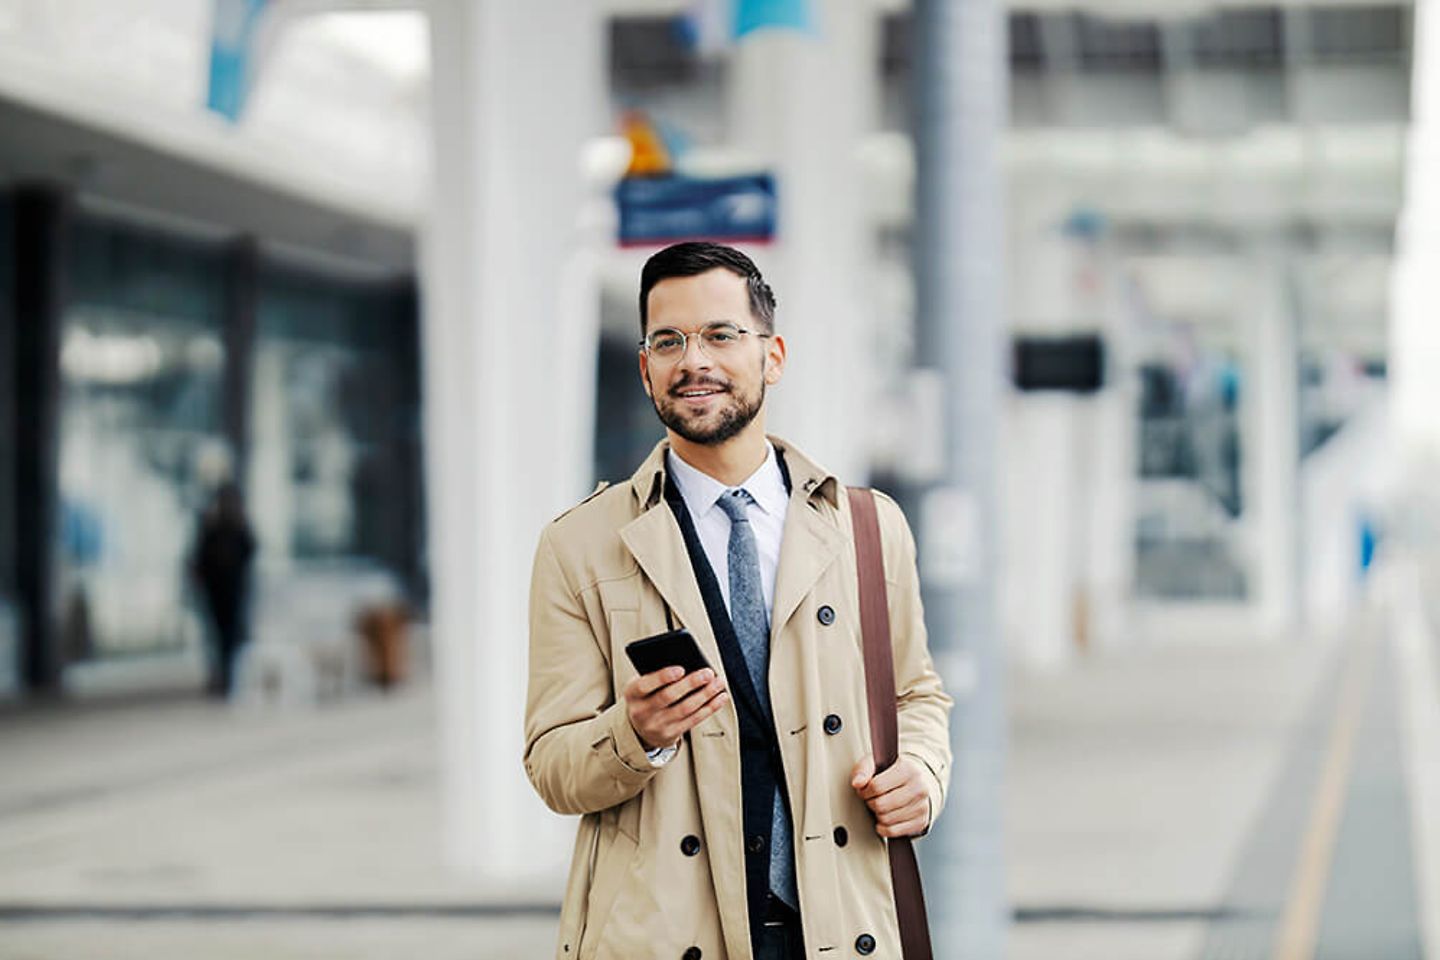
(884, 718)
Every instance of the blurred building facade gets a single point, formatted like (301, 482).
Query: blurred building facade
(178, 313)
(1212, 194)
(1209, 193)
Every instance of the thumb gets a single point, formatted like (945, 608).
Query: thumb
(863, 771)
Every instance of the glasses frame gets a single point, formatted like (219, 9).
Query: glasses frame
(743, 331)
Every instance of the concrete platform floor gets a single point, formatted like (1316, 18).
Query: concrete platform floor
(1162, 804)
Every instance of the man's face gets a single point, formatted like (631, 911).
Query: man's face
(701, 397)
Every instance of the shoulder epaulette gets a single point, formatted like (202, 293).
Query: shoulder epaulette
(599, 489)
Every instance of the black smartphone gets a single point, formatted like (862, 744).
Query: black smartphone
(675, 648)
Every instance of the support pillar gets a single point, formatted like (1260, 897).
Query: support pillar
(41, 217)
(1414, 335)
(518, 87)
(1271, 451)
(961, 94)
(803, 104)
(1043, 509)
(242, 297)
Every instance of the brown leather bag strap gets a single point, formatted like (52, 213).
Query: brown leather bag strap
(884, 718)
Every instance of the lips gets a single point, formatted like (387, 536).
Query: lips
(698, 393)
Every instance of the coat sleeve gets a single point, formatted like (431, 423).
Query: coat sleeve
(581, 753)
(923, 705)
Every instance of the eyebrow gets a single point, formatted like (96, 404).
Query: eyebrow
(707, 323)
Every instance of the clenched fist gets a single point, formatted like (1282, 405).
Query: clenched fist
(897, 797)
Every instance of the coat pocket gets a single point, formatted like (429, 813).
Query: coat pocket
(614, 866)
(577, 890)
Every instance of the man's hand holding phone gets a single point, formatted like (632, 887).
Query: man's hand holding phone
(666, 704)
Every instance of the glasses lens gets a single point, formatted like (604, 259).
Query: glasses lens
(666, 344)
(721, 336)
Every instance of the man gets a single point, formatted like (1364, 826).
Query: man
(733, 812)
(220, 564)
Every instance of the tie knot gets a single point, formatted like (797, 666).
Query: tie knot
(734, 502)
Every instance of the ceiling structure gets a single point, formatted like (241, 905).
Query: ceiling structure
(1196, 129)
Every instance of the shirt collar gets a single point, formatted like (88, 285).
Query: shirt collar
(700, 490)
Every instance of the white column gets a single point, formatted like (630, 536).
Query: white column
(1414, 334)
(1112, 468)
(518, 87)
(1270, 450)
(803, 104)
(1042, 506)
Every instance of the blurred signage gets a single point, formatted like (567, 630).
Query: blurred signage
(1070, 363)
(752, 15)
(710, 27)
(666, 209)
(234, 55)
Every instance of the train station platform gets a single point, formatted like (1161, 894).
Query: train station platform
(1181, 801)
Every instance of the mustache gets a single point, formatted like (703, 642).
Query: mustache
(690, 383)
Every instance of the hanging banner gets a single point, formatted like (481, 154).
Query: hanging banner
(234, 55)
(752, 15)
(656, 210)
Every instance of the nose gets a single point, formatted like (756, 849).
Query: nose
(694, 357)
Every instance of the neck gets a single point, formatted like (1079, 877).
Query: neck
(731, 462)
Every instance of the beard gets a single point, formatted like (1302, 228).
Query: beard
(735, 413)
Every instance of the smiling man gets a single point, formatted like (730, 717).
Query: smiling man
(734, 811)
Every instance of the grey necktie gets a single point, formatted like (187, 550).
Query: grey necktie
(752, 629)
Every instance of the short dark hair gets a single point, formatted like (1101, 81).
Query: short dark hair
(692, 258)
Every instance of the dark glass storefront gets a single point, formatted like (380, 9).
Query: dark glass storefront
(10, 660)
(186, 360)
(142, 365)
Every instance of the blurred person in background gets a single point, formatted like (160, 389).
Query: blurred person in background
(220, 565)
(730, 812)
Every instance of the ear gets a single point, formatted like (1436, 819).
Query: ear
(774, 359)
(645, 372)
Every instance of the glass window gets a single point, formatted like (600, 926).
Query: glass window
(1189, 512)
(142, 360)
(334, 468)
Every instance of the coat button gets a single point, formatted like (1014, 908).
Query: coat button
(842, 836)
(833, 723)
(864, 944)
(755, 844)
(692, 954)
(690, 846)
(826, 615)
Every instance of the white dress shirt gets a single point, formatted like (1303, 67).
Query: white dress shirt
(766, 485)
(700, 491)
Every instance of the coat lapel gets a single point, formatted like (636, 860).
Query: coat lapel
(654, 540)
(812, 538)
(811, 544)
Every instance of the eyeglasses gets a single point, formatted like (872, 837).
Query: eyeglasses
(716, 340)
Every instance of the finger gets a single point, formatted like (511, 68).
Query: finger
(909, 828)
(695, 700)
(863, 770)
(706, 709)
(675, 729)
(897, 799)
(680, 689)
(646, 684)
(895, 775)
(904, 812)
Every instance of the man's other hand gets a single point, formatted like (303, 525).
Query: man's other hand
(897, 797)
(664, 705)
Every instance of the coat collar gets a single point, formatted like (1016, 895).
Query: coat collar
(807, 478)
(812, 538)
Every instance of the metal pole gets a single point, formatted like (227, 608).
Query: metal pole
(961, 104)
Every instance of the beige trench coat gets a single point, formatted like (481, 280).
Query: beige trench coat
(604, 573)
